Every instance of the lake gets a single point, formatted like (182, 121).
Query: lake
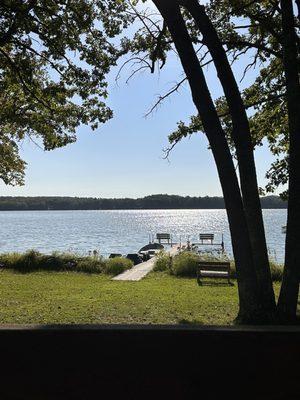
(120, 231)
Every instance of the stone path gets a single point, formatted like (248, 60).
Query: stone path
(139, 271)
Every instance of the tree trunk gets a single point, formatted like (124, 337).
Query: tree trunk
(298, 7)
(244, 150)
(288, 298)
(251, 309)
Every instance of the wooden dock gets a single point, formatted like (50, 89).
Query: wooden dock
(139, 271)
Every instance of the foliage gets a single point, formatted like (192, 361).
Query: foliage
(252, 29)
(47, 92)
(276, 271)
(275, 268)
(163, 262)
(159, 201)
(90, 265)
(54, 56)
(35, 261)
(117, 265)
(248, 30)
(185, 264)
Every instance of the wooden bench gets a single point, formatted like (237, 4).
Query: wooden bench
(164, 237)
(206, 237)
(211, 269)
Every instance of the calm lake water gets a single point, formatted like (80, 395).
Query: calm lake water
(120, 231)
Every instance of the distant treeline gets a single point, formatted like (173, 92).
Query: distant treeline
(160, 201)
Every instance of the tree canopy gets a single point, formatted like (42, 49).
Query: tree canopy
(54, 57)
(158, 201)
(254, 29)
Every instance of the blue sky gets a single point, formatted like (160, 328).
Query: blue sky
(124, 158)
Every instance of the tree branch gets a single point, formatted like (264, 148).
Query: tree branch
(6, 37)
(24, 84)
(257, 45)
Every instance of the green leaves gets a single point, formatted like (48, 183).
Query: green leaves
(54, 59)
(55, 56)
(11, 167)
(254, 29)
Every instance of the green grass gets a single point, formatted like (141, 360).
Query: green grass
(70, 297)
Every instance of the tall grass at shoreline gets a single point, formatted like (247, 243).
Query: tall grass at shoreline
(185, 264)
(181, 265)
(32, 261)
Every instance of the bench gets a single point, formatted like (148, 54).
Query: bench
(206, 237)
(164, 237)
(213, 269)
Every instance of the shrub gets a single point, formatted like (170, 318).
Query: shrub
(117, 265)
(185, 264)
(163, 262)
(32, 261)
(91, 265)
(8, 260)
(29, 261)
(276, 271)
(35, 261)
(55, 262)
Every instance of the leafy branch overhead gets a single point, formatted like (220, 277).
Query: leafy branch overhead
(253, 28)
(54, 56)
(246, 28)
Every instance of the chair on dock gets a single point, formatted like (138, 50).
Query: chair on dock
(164, 237)
(207, 239)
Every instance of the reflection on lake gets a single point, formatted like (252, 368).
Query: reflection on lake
(120, 231)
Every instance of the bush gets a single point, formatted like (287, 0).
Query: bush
(91, 265)
(28, 262)
(9, 260)
(117, 265)
(163, 262)
(276, 271)
(57, 261)
(185, 264)
(35, 261)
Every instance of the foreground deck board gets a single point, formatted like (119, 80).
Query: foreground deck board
(153, 362)
(139, 271)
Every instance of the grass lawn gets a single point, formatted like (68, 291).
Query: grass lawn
(68, 297)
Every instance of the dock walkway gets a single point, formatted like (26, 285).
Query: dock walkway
(139, 271)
